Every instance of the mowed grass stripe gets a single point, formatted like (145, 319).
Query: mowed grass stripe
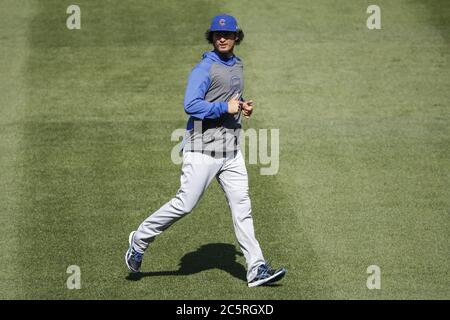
(360, 114)
(13, 56)
(82, 170)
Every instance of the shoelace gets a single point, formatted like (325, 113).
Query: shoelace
(137, 256)
(264, 271)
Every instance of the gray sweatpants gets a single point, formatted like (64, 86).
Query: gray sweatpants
(198, 170)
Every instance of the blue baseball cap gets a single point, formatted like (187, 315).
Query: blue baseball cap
(224, 22)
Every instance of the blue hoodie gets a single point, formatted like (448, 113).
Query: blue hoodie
(210, 86)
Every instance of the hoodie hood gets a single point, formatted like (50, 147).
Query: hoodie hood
(216, 58)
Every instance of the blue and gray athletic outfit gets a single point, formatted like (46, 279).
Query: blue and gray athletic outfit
(211, 84)
(211, 150)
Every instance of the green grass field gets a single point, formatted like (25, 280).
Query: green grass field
(364, 120)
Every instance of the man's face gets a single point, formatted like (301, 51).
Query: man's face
(224, 41)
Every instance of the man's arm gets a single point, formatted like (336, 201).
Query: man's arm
(194, 100)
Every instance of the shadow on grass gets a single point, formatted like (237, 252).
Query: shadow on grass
(209, 256)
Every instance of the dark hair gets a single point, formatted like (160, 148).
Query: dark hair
(239, 34)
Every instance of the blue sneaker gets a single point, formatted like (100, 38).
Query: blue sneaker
(267, 275)
(133, 259)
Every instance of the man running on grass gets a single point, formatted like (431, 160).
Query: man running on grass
(214, 102)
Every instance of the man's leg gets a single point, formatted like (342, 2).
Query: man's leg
(234, 182)
(197, 172)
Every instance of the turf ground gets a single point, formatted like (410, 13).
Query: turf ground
(364, 120)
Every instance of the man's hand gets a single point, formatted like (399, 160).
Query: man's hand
(247, 108)
(234, 105)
